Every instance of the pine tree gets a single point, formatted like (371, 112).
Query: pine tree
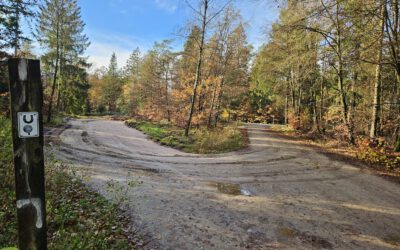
(130, 100)
(11, 13)
(60, 31)
(111, 86)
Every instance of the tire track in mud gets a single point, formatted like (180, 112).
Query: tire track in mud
(295, 197)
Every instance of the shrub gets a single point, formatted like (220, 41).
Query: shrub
(6, 160)
(376, 153)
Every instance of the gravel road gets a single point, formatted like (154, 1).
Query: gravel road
(274, 194)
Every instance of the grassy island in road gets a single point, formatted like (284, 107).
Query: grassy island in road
(200, 140)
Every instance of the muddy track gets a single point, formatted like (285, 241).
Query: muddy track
(273, 194)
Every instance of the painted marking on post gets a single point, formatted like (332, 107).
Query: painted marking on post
(22, 70)
(26, 92)
(37, 204)
(28, 124)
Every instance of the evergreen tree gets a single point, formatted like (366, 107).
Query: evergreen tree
(111, 85)
(60, 31)
(131, 101)
(11, 13)
(12, 37)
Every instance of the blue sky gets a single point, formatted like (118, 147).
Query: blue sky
(122, 25)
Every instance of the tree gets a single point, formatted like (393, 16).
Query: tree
(205, 18)
(12, 37)
(165, 59)
(131, 100)
(392, 31)
(228, 54)
(378, 74)
(186, 69)
(235, 74)
(96, 90)
(111, 86)
(11, 13)
(60, 31)
(288, 67)
(333, 66)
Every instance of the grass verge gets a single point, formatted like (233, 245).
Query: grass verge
(200, 140)
(56, 120)
(77, 217)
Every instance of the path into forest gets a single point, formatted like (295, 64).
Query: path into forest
(273, 194)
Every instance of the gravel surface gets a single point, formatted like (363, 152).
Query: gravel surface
(272, 194)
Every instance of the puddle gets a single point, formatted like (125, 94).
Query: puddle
(230, 188)
(150, 170)
(245, 192)
(316, 241)
(84, 135)
(287, 232)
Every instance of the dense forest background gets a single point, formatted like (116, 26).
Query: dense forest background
(329, 67)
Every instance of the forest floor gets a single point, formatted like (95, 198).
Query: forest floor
(275, 193)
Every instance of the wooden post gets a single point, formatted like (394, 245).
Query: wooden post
(27, 131)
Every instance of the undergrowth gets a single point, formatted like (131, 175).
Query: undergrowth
(376, 154)
(200, 140)
(56, 120)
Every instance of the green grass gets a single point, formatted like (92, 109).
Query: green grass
(201, 140)
(56, 120)
(77, 217)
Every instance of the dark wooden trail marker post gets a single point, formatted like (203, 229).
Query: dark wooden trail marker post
(27, 131)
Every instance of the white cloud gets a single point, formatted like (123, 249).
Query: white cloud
(103, 44)
(100, 54)
(259, 17)
(168, 5)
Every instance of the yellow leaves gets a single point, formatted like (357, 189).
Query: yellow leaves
(376, 153)
(126, 90)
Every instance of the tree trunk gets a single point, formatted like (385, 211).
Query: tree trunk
(352, 103)
(166, 97)
(345, 108)
(340, 77)
(219, 97)
(377, 84)
(397, 139)
(287, 102)
(298, 111)
(53, 87)
(315, 113)
(292, 91)
(342, 93)
(212, 105)
(321, 107)
(60, 81)
(392, 31)
(16, 28)
(397, 145)
(198, 67)
(352, 91)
